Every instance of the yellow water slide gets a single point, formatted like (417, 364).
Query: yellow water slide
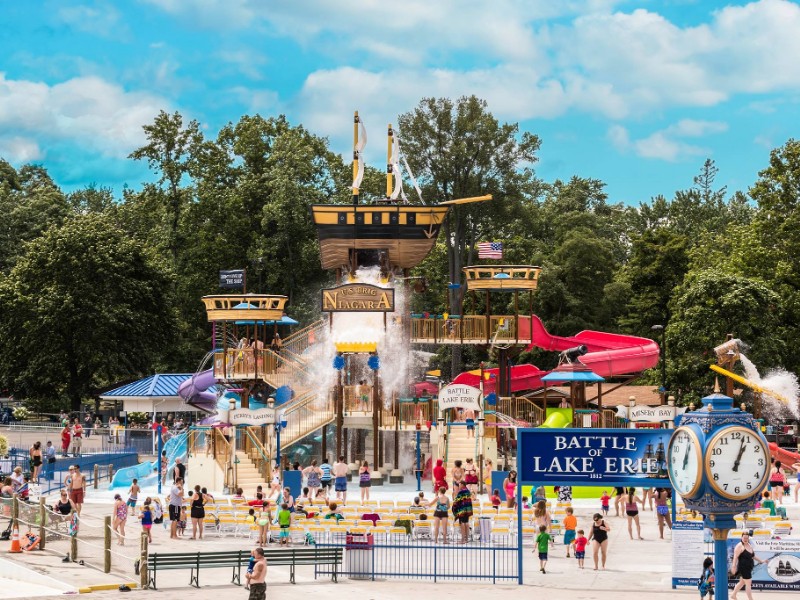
(746, 382)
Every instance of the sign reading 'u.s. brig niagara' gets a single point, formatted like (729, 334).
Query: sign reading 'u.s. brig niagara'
(358, 297)
(610, 457)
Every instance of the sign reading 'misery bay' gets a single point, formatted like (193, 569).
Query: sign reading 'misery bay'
(358, 297)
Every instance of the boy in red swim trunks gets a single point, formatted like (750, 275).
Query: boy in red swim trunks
(580, 547)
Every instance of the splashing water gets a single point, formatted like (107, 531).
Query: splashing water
(781, 382)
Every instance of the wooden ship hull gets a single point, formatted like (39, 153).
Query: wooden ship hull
(406, 233)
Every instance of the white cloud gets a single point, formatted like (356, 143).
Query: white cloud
(667, 144)
(89, 111)
(102, 20)
(19, 150)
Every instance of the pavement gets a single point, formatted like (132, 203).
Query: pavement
(633, 567)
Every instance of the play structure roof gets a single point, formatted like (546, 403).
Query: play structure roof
(523, 377)
(585, 376)
(156, 386)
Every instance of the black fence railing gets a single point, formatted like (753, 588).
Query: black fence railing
(417, 559)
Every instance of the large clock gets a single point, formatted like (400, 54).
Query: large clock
(684, 457)
(737, 462)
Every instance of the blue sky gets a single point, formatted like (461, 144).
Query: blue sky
(636, 93)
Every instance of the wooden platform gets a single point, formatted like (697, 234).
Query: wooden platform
(508, 278)
(253, 307)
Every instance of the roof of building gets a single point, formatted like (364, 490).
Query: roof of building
(160, 385)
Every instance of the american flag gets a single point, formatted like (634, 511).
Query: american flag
(493, 250)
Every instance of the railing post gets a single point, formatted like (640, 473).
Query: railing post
(143, 580)
(42, 519)
(73, 542)
(107, 544)
(96, 475)
(111, 472)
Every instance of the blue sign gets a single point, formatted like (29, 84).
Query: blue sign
(611, 457)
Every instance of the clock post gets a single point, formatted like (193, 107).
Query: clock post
(733, 460)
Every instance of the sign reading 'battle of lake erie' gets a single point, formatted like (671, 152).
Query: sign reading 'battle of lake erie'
(358, 297)
(609, 457)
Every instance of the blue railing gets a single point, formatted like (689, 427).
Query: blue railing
(53, 475)
(417, 560)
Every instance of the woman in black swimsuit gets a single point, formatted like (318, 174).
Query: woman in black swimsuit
(599, 539)
(744, 559)
(198, 513)
(64, 505)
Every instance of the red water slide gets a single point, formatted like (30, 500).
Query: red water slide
(609, 354)
(786, 457)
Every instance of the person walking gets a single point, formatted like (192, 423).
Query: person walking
(706, 585)
(36, 461)
(439, 475)
(599, 539)
(458, 475)
(326, 479)
(77, 488)
(50, 458)
(198, 512)
(777, 480)
(120, 515)
(175, 504)
(661, 498)
(364, 480)
(510, 488)
(87, 425)
(133, 495)
(442, 504)
(340, 470)
(541, 516)
(179, 472)
(257, 579)
(66, 439)
(147, 519)
(77, 438)
(462, 510)
(543, 544)
(313, 476)
(632, 511)
(743, 563)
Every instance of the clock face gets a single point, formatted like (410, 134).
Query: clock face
(683, 457)
(737, 463)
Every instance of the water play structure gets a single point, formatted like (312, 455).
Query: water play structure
(341, 384)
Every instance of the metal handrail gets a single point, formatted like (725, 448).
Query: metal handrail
(252, 441)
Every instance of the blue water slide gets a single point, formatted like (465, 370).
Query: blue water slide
(147, 472)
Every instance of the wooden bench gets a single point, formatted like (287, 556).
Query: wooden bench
(234, 559)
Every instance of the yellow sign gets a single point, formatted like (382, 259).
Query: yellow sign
(358, 297)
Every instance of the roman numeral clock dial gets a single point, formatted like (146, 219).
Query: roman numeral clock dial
(684, 458)
(737, 463)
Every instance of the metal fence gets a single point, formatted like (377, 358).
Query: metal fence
(415, 559)
(53, 475)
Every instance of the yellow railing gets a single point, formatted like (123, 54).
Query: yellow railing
(467, 328)
(520, 409)
(612, 421)
(249, 441)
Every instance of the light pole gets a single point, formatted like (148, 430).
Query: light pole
(663, 357)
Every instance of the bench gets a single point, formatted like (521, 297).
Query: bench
(234, 559)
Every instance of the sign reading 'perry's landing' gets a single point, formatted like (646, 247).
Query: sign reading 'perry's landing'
(612, 457)
(358, 297)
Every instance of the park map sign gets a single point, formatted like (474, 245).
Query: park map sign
(358, 297)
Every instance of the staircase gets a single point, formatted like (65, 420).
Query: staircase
(459, 447)
(248, 476)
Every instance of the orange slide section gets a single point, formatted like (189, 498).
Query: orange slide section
(786, 457)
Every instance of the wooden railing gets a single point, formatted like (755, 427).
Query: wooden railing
(305, 415)
(612, 421)
(301, 340)
(249, 441)
(470, 328)
(210, 441)
(520, 409)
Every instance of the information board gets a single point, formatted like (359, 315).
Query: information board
(781, 568)
(688, 553)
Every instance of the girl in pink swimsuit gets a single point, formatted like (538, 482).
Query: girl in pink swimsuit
(510, 487)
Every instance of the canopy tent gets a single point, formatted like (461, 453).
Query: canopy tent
(424, 388)
(523, 377)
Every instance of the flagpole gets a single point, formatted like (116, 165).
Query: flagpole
(389, 144)
(355, 156)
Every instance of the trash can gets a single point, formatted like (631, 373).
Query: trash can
(358, 556)
(485, 529)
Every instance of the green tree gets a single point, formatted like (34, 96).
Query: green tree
(706, 307)
(86, 306)
(457, 150)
